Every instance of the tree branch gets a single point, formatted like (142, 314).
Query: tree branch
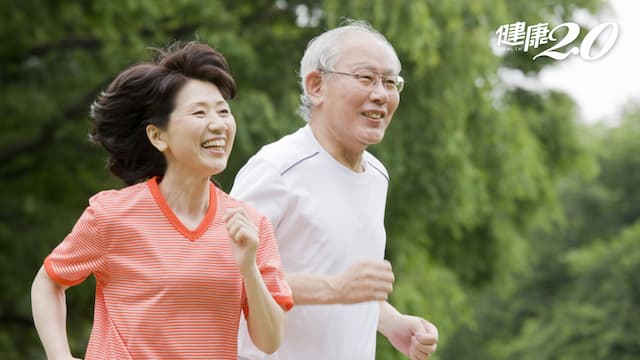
(48, 129)
(16, 320)
(72, 42)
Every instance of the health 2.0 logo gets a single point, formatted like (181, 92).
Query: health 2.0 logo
(522, 37)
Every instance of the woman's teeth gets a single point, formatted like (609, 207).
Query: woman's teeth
(217, 144)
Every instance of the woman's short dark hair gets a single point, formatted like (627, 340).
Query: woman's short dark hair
(145, 94)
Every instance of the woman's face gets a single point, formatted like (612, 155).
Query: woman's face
(200, 133)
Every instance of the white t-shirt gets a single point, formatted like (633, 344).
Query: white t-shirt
(326, 217)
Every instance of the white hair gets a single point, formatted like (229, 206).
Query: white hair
(322, 53)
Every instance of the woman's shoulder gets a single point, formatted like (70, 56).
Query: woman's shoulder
(227, 201)
(120, 198)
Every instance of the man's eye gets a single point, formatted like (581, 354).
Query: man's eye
(199, 113)
(224, 111)
(390, 82)
(366, 78)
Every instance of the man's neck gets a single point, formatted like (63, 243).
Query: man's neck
(351, 158)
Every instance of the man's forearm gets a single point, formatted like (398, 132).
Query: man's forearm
(367, 280)
(310, 289)
(387, 314)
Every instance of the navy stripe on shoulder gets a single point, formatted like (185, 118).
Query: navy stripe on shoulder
(380, 171)
(298, 162)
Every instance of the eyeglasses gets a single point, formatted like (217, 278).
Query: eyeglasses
(370, 79)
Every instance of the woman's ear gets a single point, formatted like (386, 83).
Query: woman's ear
(156, 137)
(314, 86)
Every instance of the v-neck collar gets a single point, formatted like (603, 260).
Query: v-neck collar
(173, 219)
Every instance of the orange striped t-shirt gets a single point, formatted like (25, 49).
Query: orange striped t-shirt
(162, 291)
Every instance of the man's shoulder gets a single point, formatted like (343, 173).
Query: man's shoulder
(376, 165)
(288, 151)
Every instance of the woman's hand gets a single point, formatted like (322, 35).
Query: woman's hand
(244, 239)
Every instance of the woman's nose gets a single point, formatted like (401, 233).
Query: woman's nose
(216, 124)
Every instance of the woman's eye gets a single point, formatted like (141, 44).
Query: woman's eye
(224, 111)
(199, 113)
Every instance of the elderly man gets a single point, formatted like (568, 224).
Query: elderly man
(325, 195)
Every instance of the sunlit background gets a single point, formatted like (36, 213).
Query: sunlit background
(602, 87)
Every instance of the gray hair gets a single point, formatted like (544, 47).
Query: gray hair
(322, 53)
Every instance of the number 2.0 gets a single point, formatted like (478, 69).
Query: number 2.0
(585, 46)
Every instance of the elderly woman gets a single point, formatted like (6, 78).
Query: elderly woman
(175, 259)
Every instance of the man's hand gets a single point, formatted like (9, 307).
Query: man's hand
(367, 280)
(413, 336)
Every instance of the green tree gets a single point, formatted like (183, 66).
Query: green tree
(474, 164)
(578, 298)
(56, 57)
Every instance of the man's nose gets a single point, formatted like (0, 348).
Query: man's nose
(379, 93)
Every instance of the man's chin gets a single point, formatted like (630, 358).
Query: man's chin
(373, 138)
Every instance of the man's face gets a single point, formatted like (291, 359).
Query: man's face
(357, 115)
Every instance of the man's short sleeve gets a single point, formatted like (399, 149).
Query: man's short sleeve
(79, 254)
(259, 185)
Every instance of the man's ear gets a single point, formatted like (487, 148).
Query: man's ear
(314, 85)
(156, 137)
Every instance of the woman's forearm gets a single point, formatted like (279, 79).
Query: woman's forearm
(49, 308)
(266, 317)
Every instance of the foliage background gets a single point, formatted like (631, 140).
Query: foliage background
(511, 225)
